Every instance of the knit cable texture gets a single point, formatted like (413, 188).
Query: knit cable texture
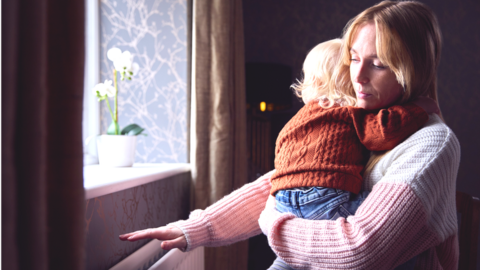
(329, 147)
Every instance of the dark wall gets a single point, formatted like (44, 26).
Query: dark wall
(283, 31)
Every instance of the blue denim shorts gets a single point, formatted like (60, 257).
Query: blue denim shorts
(319, 203)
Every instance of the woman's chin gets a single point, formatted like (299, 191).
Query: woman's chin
(361, 103)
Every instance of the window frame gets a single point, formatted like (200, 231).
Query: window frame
(91, 106)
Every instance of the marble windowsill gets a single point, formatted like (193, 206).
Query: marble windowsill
(99, 181)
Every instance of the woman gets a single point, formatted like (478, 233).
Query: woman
(390, 56)
(410, 212)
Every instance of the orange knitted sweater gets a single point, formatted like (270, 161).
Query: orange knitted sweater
(330, 147)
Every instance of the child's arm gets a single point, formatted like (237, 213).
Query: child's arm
(386, 129)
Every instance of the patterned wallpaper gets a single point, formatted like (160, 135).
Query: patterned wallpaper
(147, 206)
(155, 32)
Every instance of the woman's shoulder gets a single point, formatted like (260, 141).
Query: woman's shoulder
(427, 162)
(427, 149)
(433, 137)
(429, 166)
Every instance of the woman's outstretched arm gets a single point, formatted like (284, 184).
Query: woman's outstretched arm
(231, 219)
(410, 212)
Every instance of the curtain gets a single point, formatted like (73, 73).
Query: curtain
(42, 169)
(218, 116)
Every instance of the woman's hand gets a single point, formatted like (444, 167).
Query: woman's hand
(427, 104)
(264, 219)
(172, 237)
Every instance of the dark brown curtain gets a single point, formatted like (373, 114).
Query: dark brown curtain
(42, 169)
(218, 121)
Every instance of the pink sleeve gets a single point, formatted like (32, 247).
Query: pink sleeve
(231, 219)
(377, 237)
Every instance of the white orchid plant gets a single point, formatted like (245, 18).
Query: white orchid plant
(123, 63)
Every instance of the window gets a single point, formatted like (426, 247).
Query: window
(155, 32)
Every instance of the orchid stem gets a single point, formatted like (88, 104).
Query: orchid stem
(117, 132)
(109, 108)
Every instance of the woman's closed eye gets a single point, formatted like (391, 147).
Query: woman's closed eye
(378, 66)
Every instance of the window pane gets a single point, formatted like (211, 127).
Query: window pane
(155, 33)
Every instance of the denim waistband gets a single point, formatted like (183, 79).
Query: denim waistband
(301, 197)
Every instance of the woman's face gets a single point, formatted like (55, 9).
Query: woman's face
(375, 85)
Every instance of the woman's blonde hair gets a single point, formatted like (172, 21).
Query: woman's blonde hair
(317, 72)
(408, 41)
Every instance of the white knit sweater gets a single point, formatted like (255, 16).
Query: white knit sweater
(410, 212)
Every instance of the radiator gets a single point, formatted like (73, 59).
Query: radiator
(150, 257)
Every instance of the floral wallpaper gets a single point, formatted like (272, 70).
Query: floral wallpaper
(155, 32)
(147, 206)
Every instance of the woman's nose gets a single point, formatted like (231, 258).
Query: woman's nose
(360, 73)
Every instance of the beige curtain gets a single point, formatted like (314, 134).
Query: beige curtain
(42, 166)
(218, 119)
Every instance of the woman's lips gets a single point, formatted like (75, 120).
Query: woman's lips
(363, 95)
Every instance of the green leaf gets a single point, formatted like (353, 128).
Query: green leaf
(132, 130)
(136, 131)
(113, 129)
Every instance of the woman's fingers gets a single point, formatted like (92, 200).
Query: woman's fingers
(179, 242)
(125, 236)
(145, 234)
(161, 233)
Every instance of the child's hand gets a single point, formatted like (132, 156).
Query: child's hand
(172, 237)
(427, 104)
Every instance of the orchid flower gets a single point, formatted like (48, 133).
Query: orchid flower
(105, 88)
(123, 63)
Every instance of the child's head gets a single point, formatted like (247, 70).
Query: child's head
(317, 71)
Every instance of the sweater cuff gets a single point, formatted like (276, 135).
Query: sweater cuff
(195, 229)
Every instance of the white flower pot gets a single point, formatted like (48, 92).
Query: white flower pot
(116, 150)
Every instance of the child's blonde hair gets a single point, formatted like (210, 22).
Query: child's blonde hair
(317, 72)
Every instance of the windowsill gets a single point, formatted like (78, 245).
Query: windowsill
(99, 181)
